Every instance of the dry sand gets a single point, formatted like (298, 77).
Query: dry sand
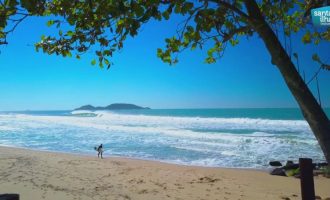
(45, 175)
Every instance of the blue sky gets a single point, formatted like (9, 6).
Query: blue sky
(244, 77)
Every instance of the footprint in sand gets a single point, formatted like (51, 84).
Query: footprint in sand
(144, 191)
(206, 179)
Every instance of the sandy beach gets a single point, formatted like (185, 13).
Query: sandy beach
(46, 175)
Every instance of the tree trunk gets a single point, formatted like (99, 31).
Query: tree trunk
(312, 111)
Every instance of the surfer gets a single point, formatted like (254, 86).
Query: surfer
(100, 151)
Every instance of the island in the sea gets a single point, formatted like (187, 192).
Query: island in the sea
(114, 106)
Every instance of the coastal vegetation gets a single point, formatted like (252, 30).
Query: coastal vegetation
(104, 25)
(114, 106)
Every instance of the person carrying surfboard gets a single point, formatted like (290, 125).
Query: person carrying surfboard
(100, 151)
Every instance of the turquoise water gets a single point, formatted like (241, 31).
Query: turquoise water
(247, 138)
(264, 113)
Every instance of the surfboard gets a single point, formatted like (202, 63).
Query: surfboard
(95, 148)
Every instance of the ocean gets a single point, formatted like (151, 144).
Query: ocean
(234, 138)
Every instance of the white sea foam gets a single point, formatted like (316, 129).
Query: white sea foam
(8, 128)
(172, 126)
(229, 142)
(75, 112)
(106, 118)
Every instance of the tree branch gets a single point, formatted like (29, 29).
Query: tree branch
(233, 8)
(17, 23)
(229, 35)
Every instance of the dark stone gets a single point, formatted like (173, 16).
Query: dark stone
(9, 196)
(278, 172)
(289, 163)
(319, 165)
(275, 163)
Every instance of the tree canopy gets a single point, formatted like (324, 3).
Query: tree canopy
(104, 25)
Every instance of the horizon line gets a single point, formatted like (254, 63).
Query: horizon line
(38, 110)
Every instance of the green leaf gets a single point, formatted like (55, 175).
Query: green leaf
(29, 5)
(139, 11)
(98, 53)
(120, 22)
(93, 62)
(2, 35)
(69, 33)
(307, 38)
(193, 46)
(316, 58)
(210, 60)
(50, 23)
(166, 15)
(233, 42)
(12, 3)
(69, 54)
(187, 6)
(106, 61)
(3, 22)
(159, 52)
(177, 9)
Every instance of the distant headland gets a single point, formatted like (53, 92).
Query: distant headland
(114, 106)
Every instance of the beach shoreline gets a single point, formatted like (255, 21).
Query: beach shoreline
(49, 175)
(105, 156)
(222, 141)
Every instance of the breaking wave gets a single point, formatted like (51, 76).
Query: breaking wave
(226, 142)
